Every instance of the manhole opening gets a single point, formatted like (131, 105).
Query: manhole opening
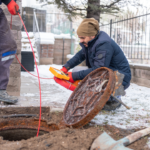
(19, 134)
(21, 123)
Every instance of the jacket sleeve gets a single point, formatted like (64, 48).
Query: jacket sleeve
(76, 60)
(6, 2)
(103, 56)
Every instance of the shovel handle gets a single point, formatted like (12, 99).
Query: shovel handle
(120, 102)
(135, 136)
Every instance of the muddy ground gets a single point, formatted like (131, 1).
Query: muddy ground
(64, 139)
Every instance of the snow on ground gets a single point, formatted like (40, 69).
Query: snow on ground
(52, 93)
(137, 97)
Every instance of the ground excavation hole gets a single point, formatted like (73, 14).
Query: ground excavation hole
(21, 123)
(19, 134)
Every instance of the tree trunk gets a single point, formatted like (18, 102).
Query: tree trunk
(93, 13)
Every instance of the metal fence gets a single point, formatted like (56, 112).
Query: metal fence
(132, 35)
(28, 18)
(37, 21)
(57, 23)
(36, 32)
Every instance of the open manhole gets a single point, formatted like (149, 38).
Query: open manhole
(19, 134)
(19, 128)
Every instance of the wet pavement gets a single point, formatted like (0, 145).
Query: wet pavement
(52, 95)
(30, 96)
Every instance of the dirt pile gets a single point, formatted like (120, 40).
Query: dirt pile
(70, 139)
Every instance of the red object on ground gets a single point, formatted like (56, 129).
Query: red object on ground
(65, 84)
(70, 77)
(13, 7)
(64, 70)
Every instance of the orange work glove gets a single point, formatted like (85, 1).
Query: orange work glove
(13, 7)
(70, 76)
(64, 70)
(65, 84)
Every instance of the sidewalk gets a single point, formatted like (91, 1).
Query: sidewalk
(52, 95)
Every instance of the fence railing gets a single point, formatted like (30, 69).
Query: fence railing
(58, 23)
(132, 35)
(36, 33)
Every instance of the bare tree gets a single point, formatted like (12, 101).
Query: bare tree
(92, 8)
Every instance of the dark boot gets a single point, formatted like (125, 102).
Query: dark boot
(4, 97)
(112, 104)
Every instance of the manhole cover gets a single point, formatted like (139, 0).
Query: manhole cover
(89, 97)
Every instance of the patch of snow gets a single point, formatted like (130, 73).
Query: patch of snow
(24, 35)
(138, 98)
(144, 65)
(46, 38)
(65, 36)
(26, 44)
(54, 92)
(69, 56)
(29, 94)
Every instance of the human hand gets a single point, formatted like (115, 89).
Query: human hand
(13, 7)
(70, 77)
(64, 70)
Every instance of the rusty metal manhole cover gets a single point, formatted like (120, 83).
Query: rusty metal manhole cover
(89, 97)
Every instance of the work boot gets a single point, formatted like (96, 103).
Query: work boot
(4, 97)
(112, 104)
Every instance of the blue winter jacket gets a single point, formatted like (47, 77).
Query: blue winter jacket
(6, 2)
(102, 51)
